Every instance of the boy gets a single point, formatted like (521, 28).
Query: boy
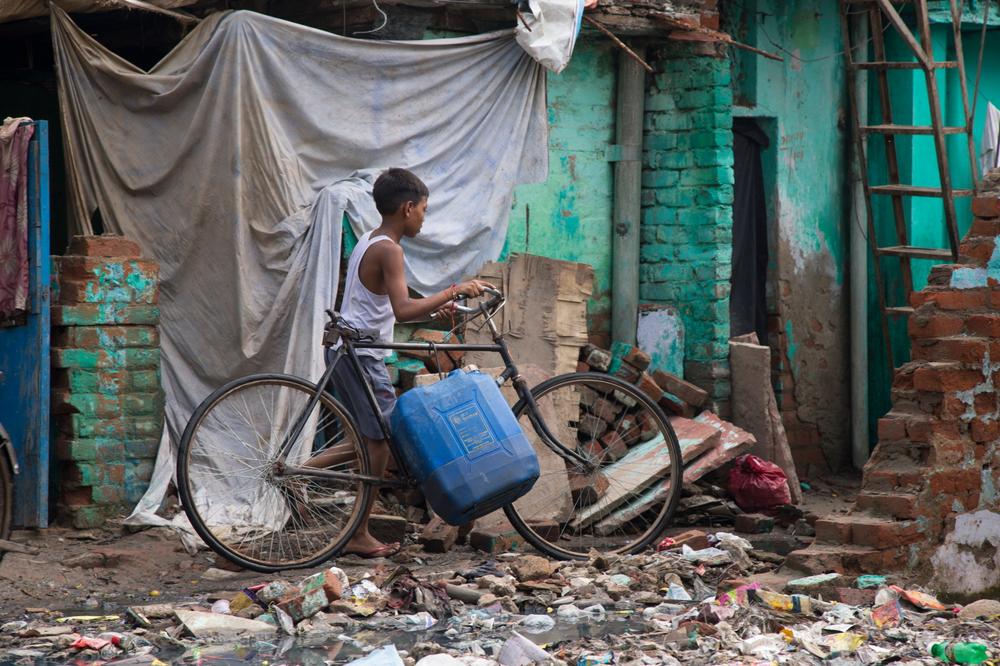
(375, 297)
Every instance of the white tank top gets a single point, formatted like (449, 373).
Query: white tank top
(360, 307)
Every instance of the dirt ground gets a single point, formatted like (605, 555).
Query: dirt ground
(112, 568)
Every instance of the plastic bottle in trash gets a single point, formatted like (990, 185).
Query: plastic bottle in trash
(960, 653)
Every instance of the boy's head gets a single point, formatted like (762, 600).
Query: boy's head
(399, 194)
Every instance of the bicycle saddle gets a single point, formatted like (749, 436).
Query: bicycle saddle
(337, 327)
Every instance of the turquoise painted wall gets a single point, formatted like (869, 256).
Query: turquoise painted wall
(569, 216)
(918, 165)
(801, 104)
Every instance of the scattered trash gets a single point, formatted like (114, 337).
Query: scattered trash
(519, 651)
(538, 624)
(386, 655)
(960, 653)
(869, 581)
(919, 599)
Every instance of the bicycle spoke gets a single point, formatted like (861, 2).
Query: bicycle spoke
(239, 497)
(618, 504)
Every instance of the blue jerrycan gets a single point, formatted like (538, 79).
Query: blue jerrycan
(460, 440)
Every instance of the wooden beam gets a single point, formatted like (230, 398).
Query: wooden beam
(904, 32)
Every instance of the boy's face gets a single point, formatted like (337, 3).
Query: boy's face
(414, 216)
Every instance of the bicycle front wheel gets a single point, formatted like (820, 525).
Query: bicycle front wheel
(242, 503)
(619, 491)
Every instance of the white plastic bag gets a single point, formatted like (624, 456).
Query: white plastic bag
(554, 26)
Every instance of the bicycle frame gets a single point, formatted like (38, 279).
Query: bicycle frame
(350, 347)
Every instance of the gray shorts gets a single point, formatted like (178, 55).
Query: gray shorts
(349, 390)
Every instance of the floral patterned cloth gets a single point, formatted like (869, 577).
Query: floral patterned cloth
(14, 137)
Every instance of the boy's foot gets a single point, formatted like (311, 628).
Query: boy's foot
(368, 547)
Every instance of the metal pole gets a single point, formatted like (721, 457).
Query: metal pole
(627, 211)
(859, 261)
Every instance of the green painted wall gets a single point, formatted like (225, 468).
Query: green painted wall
(569, 215)
(800, 103)
(918, 165)
(687, 194)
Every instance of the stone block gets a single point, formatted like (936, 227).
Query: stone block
(686, 391)
(754, 523)
(388, 529)
(100, 314)
(106, 245)
(105, 337)
(438, 536)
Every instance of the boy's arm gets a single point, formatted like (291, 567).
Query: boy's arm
(390, 259)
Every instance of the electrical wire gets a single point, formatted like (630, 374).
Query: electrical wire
(794, 55)
(982, 48)
(385, 21)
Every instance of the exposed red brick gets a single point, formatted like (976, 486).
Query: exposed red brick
(902, 506)
(833, 529)
(854, 597)
(963, 349)
(646, 384)
(946, 378)
(952, 299)
(985, 227)
(987, 207)
(884, 533)
(955, 481)
(983, 324)
(614, 446)
(891, 428)
(108, 245)
(977, 248)
(934, 326)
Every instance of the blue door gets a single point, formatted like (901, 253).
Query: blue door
(24, 354)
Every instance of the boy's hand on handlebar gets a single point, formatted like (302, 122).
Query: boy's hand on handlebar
(472, 288)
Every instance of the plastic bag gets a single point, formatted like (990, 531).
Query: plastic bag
(757, 484)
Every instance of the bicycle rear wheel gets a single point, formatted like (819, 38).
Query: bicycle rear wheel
(621, 493)
(241, 503)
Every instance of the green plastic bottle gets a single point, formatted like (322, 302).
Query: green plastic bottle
(960, 653)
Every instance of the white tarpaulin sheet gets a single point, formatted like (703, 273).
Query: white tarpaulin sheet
(15, 10)
(233, 160)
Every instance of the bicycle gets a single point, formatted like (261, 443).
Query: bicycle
(611, 463)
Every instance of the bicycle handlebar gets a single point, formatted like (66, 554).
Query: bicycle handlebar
(465, 309)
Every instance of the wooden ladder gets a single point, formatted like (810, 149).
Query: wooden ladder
(878, 11)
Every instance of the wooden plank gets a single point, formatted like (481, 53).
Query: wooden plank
(914, 191)
(646, 464)
(735, 442)
(910, 130)
(891, 64)
(916, 252)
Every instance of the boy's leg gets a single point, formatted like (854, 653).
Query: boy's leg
(363, 541)
(350, 391)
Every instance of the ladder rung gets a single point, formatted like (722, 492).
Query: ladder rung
(910, 129)
(895, 64)
(915, 252)
(902, 310)
(913, 191)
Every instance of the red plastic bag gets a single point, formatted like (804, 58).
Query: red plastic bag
(757, 484)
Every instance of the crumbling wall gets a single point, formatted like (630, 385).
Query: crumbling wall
(687, 196)
(928, 500)
(106, 397)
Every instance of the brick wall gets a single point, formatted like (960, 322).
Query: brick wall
(938, 455)
(106, 396)
(687, 201)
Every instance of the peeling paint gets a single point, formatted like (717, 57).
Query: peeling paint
(968, 397)
(974, 278)
(964, 563)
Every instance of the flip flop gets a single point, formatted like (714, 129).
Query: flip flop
(385, 550)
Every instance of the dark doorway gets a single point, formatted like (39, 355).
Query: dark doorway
(748, 293)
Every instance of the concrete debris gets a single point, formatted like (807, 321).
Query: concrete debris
(701, 598)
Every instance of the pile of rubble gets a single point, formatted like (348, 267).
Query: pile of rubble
(695, 600)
